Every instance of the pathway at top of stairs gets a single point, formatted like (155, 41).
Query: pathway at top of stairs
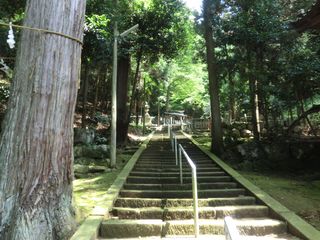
(153, 204)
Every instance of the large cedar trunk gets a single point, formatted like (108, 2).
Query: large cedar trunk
(36, 153)
(122, 99)
(216, 130)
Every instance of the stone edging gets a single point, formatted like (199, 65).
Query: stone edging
(296, 225)
(90, 227)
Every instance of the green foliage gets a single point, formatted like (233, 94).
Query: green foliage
(4, 93)
(253, 39)
(171, 50)
(164, 28)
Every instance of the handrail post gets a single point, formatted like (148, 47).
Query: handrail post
(195, 202)
(194, 188)
(176, 148)
(172, 141)
(180, 163)
(230, 229)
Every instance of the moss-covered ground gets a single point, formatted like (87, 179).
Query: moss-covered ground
(89, 190)
(298, 195)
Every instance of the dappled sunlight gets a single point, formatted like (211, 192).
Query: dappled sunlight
(137, 138)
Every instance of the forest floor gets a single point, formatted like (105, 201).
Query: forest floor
(90, 189)
(291, 190)
(298, 195)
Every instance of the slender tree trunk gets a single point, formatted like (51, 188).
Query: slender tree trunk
(36, 153)
(254, 102)
(168, 98)
(137, 110)
(265, 112)
(85, 97)
(134, 85)
(106, 94)
(290, 114)
(231, 81)
(232, 101)
(158, 113)
(122, 99)
(216, 130)
(144, 108)
(96, 94)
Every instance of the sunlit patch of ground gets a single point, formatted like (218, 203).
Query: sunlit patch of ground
(90, 191)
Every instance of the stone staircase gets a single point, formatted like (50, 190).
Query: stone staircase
(153, 203)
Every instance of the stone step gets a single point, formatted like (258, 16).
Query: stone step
(175, 169)
(185, 186)
(157, 158)
(115, 228)
(257, 227)
(158, 202)
(172, 161)
(172, 165)
(160, 155)
(183, 193)
(211, 237)
(180, 213)
(165, 180)
(175, 174)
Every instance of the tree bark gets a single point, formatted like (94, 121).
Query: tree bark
(122, 99)
(85, 97)
(137, 109)
(96, 94)
(232, 101)
(36, 154)
(266, 112)
(254, 101)
(168, 99)
(216, 130)
(134, 86)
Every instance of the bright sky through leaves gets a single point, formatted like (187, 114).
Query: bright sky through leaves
(194, 4)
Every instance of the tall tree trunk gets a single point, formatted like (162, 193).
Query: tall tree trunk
(144, 108)
(122, 99)
(168, 97)
(36, 154)
(290, 114)
(137, 109)
(105, 95)
(85, 97)
(158, 113)
(254, 101)
(265, 112)
(232, 101)
(216, 130)
(134, 86)
(96, 94)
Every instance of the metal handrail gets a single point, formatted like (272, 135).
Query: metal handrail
(174, 145)
(230, 229)
(171, 139)
(194, 187)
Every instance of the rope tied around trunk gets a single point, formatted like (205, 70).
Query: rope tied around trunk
(43, 31)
